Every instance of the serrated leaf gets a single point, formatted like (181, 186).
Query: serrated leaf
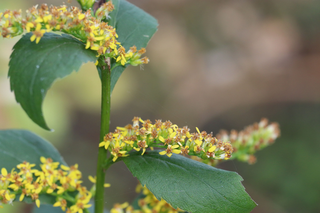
(190, 185)
(34, 67)
(17, 146)
(134, 27)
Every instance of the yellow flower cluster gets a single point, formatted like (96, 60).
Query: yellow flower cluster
(164, 135)
(246, 142)
(91, 30)
(148, 204)
(51, 180)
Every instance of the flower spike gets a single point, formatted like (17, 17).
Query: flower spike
(96, 34)
(142, 134)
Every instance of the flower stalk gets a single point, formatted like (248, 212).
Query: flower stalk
(104, 68)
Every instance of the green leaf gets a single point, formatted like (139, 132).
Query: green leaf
(47, 209)
(17, 146)
(135, 202)
(44, 199)
(34, 67)
(190, 185)
(134, 27)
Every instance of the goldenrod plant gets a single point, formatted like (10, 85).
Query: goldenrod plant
(175, 166)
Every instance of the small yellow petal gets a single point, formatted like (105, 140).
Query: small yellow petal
(64, 167)
(57, 204)
(60, 191)
(173, 134)
(47, 18)
(28, 26)
(92, 179)
(163, 152)
(43, 159)
(95, 47)
(99, 38)
(32, 38)
(212, 149)
(198, 142)
(39, 19)
(161, 139)
(38, 26)
(124, 205)
(107, 144)
(176, 151)
(37, 40)
(7, 196)
(107, 185)
(38, 203)
(114, 158)
(4, 172)
(81, 16)
(88, 44)
(21, 197)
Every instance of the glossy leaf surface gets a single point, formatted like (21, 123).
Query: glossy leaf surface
(134, 27)
(190, 185)
(34, 67)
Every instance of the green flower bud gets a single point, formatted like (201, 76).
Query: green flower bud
(86, 4)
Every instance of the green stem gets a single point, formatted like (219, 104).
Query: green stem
(158, 146)
(104, 129)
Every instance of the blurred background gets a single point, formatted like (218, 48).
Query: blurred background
(215, 65)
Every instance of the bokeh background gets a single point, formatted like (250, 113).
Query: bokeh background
(215, 65)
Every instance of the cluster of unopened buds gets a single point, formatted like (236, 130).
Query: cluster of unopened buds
(51, 180)
(92, 30)
(247, 142)
(148, 203)
(253, 138)
(164, 135)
